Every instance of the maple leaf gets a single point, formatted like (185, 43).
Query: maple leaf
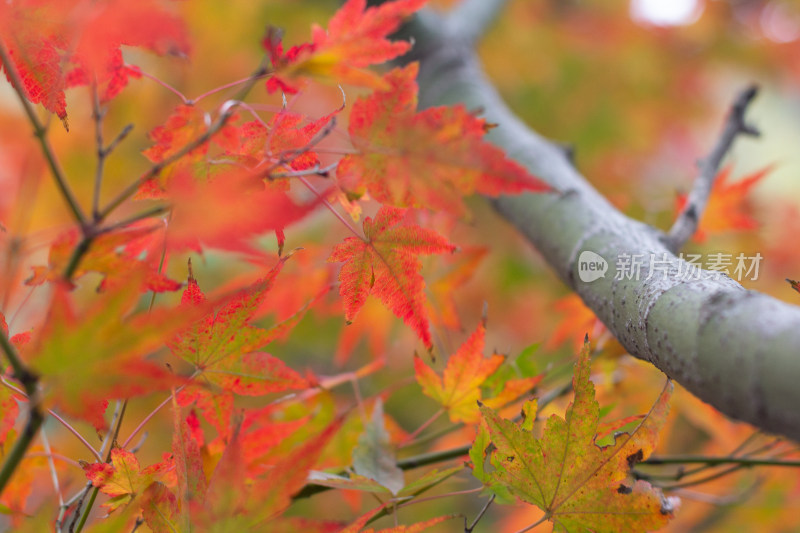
(384, 263)
(114, 255)
(579, 485)
(427, 159)
(223, 346)
(191, 480)
(357, 37)
(272, 494)
(729, 206)
(122, 478)
(56, 44)
(459, 388)
(283, 144)
(88, 357)
(227, 211)
(159, 507)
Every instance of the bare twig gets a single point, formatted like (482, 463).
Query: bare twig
(468, 529)
(102, 151)
(735, 125)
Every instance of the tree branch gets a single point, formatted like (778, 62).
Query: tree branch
(29, 381)
(734, 348)
(470, 19)
(686, 224)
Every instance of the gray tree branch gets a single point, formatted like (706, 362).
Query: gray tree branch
(736, 349)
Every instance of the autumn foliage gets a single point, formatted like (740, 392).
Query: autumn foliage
(251, 312)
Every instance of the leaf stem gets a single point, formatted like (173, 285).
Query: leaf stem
(327, 204)
(542, 520)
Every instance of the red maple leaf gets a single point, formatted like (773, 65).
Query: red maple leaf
(384, 263)
(55, 44)
(227, 211)
(223, 347)
(427, 159)
(357, 37)
(282, 144)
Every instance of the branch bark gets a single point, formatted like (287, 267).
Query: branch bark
(733, 348)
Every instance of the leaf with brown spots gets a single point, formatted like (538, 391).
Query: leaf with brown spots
(580, 485)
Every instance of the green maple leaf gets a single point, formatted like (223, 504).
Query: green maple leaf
(580, 485)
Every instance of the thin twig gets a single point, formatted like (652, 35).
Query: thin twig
(478, 518)
(723, 460)
(103, 151)
(327, 204)
(735, 125)
(149, 213)
(97, 116)
(52, 466)
(166, 85)
(55, 415)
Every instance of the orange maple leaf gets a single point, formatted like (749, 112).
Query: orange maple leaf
(384, 263)
(729, 207)
(459, 388)
(113, 254)
(427, 159)
(357, 37)
(579, 484)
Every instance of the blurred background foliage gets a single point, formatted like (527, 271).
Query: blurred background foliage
(639, 100)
